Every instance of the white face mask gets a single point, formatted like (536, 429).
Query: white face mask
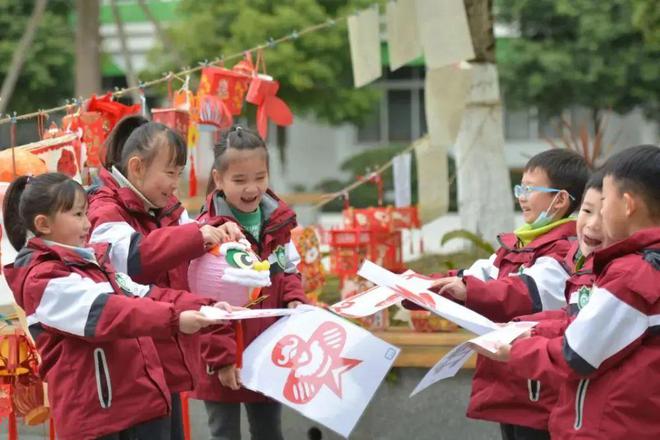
(544, 217)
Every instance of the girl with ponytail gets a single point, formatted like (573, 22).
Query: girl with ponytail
(92, 326)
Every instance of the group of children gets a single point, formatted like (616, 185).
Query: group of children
(589, 368)
(102, 277)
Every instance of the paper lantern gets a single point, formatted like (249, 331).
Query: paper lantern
(228, 85)
(231, 272)
(59, 154)
(262, 93)
(310, 267)
(26, 164)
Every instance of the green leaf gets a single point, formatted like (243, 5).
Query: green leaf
(473, 238)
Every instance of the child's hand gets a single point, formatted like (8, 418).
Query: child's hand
(294, 304)
(503, 353)
(192, 321)
(230, 377)
(231, 232)
(451, 285)
(223, 305)
(213, 235)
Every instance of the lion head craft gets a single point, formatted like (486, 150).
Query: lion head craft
(229, 272)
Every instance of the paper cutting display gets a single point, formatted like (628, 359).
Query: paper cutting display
(319, 364)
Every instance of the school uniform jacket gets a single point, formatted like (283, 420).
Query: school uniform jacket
(152, 247)
(519, 281)
(553, 323)
(609, 357)
(94, 330)
(274, 245)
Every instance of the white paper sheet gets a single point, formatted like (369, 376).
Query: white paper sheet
(444, 32)
(433, 302)
(364, 38)
(452, 362)
(377, 298)
(320, 365)
(402, 34)
(401, 169)
(220, 314)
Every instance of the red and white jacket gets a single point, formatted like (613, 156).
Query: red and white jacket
(152, 247)
(553, 323)
(518, 281)
(94, 329)
(275, 245)
(609, 358)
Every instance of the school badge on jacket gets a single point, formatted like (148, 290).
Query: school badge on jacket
(329, 376)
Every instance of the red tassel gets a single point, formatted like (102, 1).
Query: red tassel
(238, 329)
(192, 178)
(185, 416)
(51, 429)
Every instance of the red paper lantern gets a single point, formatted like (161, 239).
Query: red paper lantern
(177, 119)
(228, 85)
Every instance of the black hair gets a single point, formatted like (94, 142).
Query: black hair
(137, 136)
(595, 181)
(238, 138)
(637, 170)
(566, 169)
(27, 197)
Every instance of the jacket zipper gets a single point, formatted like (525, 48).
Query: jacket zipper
(273, 229)
(580, 395)
(534, 388)
(103, 384)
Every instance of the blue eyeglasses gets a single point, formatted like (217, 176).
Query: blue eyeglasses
(525, 190)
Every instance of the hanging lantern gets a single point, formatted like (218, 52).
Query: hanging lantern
(177, 119)
(27, 164)
(58, 154)
(227, 85)
(231, 272)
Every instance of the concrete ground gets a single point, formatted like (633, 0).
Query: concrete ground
(437, 413)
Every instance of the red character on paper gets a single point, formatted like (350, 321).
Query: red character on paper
(423, 297)
(66, 164)
(313, 363)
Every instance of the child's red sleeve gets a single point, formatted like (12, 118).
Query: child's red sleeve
(66, 302)
(144, 257)
(538, 287)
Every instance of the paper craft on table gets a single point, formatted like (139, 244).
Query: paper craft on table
(402, 37)
(444, 32)
(220, 314)
(320, 365)
(364, 38)
(450, 363)
(377, 298)
(412, 291)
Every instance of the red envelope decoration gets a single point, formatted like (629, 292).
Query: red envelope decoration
(228, 85)
(262, 93)
(177, 119)
(111, 111)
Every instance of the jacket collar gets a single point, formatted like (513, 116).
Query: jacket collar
(132, 200)
(272, 208)
(644, 240)
(123, 182)
(561, 231)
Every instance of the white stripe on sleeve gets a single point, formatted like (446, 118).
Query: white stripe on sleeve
(605, 326)
(118, 234)
(550, 278)
(67, 301)
(484, 269)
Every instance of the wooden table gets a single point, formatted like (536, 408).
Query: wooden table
(423, 349)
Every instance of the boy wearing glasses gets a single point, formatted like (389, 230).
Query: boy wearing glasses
(524, 276)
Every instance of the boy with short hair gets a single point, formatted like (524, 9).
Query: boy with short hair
(525, 276)
(611, 351)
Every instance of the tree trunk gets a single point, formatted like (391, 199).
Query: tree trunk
(88, 43)
(484, 187)
(20, 54)
(131, 77)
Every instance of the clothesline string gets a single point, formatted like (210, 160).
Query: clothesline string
(168, 75)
